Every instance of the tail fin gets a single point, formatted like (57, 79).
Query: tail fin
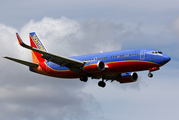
(36, 43)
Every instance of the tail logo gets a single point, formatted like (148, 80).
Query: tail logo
(38, 42)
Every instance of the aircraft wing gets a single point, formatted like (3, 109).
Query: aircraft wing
(60, 60)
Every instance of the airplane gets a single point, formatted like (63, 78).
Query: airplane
(120, 66)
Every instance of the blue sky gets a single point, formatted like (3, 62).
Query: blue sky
(78, 27)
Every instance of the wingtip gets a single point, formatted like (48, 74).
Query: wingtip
(17, 34)
(6, 57)
(20, 41)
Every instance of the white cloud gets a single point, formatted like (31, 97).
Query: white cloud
(175, 30)
(68, 37)
(175, 26)
(7, 39)
(25, 95)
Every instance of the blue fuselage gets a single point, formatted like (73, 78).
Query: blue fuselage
(147, 56)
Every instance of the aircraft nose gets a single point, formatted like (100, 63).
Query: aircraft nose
(165, 59)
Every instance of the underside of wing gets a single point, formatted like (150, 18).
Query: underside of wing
(22, 62)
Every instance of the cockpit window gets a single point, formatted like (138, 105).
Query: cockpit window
(157, 52)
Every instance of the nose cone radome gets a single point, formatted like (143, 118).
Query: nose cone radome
(165, 59)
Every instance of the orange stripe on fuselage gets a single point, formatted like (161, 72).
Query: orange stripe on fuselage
(114, 68)
(34, 58)
(39, 68)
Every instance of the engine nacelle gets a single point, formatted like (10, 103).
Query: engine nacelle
(94, 66)
(128, 77)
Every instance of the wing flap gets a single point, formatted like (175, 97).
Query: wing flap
(22, 62)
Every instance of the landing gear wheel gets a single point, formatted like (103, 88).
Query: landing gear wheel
(101, 84)
(84, 78)
(150, 75)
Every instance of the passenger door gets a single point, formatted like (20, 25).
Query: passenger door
(142, 54)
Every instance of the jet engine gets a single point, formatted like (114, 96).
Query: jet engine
(128, 77)
(94, 66)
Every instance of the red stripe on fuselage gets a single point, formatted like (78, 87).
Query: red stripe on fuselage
(114, 68)
(59, 73)
(131, 65)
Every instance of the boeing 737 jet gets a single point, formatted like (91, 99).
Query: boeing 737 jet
(120, 66)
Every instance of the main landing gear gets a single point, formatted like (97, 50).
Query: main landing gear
(101, 83)
(84, 78)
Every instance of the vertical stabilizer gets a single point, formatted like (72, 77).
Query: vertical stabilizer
(36, 43)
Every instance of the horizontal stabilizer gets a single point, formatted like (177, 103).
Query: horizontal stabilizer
(22, 62)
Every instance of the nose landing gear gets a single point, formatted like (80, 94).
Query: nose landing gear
(152, 69)
(150, 74)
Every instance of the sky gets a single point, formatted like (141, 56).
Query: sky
(72, 28)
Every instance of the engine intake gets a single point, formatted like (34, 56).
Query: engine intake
(94, 66)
